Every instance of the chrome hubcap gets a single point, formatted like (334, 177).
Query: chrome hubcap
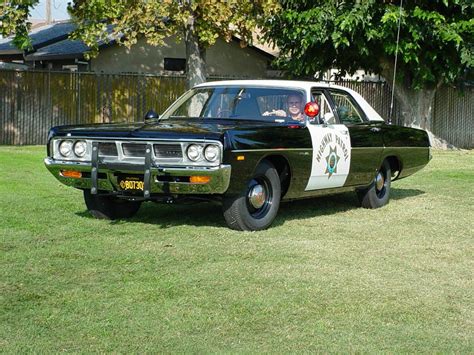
(257, 196)
(379, 182)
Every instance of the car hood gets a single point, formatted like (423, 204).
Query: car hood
(169, 129)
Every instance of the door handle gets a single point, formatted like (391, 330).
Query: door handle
(375, 129)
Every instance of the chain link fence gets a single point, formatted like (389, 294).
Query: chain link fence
(453, 116)
(31, 102)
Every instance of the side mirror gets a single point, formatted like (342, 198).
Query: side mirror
(151, 115)
(329, 118)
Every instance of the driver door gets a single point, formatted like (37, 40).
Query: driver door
(331, 147)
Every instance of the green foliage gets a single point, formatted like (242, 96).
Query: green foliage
(14, 21)
(436, 37)
(156, 20)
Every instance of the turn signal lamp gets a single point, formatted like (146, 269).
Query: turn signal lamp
(311, 109)
(71, 174)
(198, 179)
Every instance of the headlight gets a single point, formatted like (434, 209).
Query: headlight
(211, 153)
(80, 148)
(194, 152)
(65, 148)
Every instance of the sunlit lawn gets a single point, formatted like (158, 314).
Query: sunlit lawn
(328, 276)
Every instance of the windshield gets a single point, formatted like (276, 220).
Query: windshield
(249, 103)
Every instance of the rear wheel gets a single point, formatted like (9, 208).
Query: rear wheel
(256, 207)
(110, 207)
(378, 194)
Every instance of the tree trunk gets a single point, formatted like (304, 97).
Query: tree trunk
(416, 105)
(195, 56)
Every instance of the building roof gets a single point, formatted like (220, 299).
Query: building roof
(264, 46)
(40, 37)
(65, 49)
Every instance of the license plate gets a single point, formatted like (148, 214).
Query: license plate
(131, 183)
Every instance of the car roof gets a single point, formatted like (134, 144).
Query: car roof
(272, 83)
(296, 84)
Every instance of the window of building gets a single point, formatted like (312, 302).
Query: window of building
(175, 64)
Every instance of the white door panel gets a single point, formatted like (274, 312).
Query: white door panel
(331, 156)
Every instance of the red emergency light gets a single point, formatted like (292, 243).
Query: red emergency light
(311, 109)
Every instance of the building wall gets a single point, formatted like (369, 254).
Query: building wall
(222, 59)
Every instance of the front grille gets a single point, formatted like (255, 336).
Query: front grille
(108, 149)
(134, 152)
(134, 149)
(168, 151)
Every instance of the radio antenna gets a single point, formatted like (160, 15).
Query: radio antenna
(395, 66)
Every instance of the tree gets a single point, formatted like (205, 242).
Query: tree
(198, 22)
(14, 21)
(436, 44)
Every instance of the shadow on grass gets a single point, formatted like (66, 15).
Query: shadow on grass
(400, 194)
(209, 214)
(331, 204)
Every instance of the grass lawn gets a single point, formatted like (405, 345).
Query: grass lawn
(328, 276)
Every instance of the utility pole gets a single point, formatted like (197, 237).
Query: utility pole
(48, 12)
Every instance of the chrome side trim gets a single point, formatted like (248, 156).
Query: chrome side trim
(270, 150)
(310, 149)
(385, 147)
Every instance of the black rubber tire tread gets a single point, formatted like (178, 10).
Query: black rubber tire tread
(235, 208)
(368, 198)
(110, 207)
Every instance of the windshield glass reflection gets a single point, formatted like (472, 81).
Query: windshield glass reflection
(248, 103)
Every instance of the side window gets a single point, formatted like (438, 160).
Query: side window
(326, 114)
(346, 107)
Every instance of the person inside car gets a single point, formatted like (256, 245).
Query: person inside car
(295, 109)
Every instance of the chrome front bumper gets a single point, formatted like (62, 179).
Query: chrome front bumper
(108, 177)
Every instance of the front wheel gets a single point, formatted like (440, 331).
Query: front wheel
(256, 207)
(378, 193)
(110, 207)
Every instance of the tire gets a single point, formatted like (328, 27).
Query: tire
(110, 207)
(256, 207)
(378, 193)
